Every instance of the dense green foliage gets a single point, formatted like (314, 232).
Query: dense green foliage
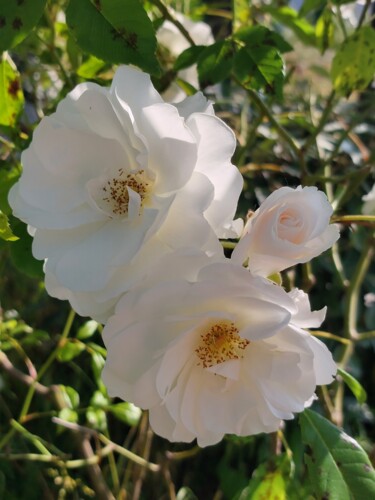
(296, 88)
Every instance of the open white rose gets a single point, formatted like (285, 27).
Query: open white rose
(174, 41)
(225, 353)
(290, 227)
(115, 179)
(368, 207)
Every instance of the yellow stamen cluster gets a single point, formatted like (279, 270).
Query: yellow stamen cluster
(220, 343)
(116, 190)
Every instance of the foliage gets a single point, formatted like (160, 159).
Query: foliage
(296, 88)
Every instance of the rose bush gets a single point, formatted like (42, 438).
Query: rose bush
(224, 353)
(115, 179)
(290, 227)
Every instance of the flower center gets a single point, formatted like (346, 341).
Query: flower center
(115, 191)
(220, 343)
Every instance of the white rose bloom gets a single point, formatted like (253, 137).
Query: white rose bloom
(368, 207)
(290, 227)
(172, 39)
(115, 179)
(226, 353)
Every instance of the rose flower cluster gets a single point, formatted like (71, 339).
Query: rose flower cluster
(127, 197)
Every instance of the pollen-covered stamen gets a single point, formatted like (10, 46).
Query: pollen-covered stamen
(220, 343)
(115, 191)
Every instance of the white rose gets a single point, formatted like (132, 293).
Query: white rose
(223, 354)
(174, 41)
(290, 227)
(368, 207)
(115, 179)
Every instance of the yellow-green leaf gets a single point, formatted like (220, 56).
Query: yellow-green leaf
(11, 95)
(353, 66)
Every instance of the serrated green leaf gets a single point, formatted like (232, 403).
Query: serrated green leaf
(353, 66)
(118, 31)
(338, 467)
(70, 350)
(126, 412)
(255, 36)
(11, 95)
(188, 57)
(215, 63)
(5, 230)
(353, 385)
(87, 329)
(260, 67)
(20, 252)
(17, 19)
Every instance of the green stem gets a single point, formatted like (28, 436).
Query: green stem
(167, 15)
(279, 128)
(46, 365)
(323, 120)
(363, 14)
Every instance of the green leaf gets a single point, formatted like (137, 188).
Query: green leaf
(20, 252)
(215, 63)
(17, 19)
(260, 67)
(311, 5)
(118, 31)
(338, 467)
(241, 13)
(126, 412)
(91, 67)
(87, 330)
(5, 230)
(289, 17)
(353, 66)
(353, 385)
(7, 179)
(188, 57)
(259, 36)
(11, 95)
(70, 350)
(268, 481)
